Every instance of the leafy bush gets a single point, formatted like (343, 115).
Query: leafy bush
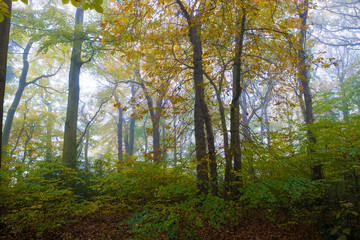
(294, 194)
(40, 197)
(139, 183)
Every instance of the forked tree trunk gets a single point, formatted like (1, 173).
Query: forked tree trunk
(201, 112)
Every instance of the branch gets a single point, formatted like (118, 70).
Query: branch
(43, 76)
(183, 10)
(95, 115)
(46, 88)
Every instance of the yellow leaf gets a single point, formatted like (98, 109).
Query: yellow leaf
(117, 105)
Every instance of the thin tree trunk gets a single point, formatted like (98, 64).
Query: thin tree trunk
(156, 131)
(305, 84)
(235, 144)
(21, 87)
(4, 43)
(23, 125)
(175, 134)
(120, 133)
(164, 152)
(145, 134)
(155, 120)
(228, 163)
(245, 120)
(49, 128)
(126, 140)
(70, 146)
(86, 150)
(345, 104)
(132, 124)
(201, 112)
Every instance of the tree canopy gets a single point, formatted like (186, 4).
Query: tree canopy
(180, 119)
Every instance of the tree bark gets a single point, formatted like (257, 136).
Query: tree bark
(155, 113)
(235, 144)
(228, 162)
(344, 101)
(304, 80)
(70, 146)
(120, 132)
(156, 130)
(86, 150)
(49, 128)
(4, 43)
(201, 112)
(21, 87)
(132, 124)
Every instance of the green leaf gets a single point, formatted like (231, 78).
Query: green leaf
(342, 237)
(98, 2)
(25, 1)
(65, 1)
(346, 231)
(334, 231)
(85, 6)
(1, 17)
(98, 8)
(75, 3)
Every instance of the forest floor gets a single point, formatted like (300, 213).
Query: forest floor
(252, 226)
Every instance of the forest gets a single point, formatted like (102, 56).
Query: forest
(180, 119)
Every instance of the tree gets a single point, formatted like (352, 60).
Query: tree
(235, 145)
(201, 112)
(21, 87)
(70, 144)
(5, 14)
(4, 43)
(304, 79)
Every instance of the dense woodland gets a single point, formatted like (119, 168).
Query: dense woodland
(180, 119)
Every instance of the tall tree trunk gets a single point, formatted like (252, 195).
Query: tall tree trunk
(21, 87)
(70, 146)
(305, 84)
(120, 132)
(235, 144)
(156, 130)
(132, 124)
(211, 150)
(4, 43)
(201, 112)
(245, 120)
(86, 150)
(228, 162)
(175, 135)
(49, 128)
(155, 113)
(163, 142)
(345, 104)
(145, 133)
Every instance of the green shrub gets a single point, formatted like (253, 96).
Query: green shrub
(41, 197)
(293, 194)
